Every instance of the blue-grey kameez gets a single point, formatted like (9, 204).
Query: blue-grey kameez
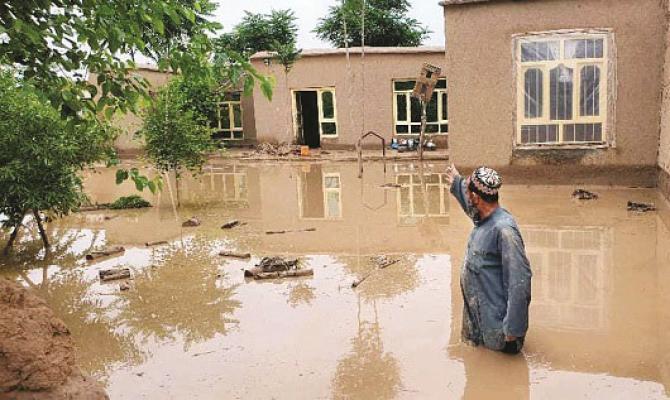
(495, 277)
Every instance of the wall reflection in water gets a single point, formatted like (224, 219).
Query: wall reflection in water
(570, 276)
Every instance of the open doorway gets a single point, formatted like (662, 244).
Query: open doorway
(315, 116)
(307, 118)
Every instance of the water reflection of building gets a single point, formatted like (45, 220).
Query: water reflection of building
(225, 185)
(420, 198)
(319, 194)
(570, 276)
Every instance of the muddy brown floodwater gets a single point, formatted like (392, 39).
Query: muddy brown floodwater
(192, 327)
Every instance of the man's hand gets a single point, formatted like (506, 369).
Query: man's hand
(452, 172)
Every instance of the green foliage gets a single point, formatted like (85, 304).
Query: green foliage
(127, 202)
(386, 24)
(41, 153)
(176, 136)
(287, 54)
(259, 32)
(54, 41)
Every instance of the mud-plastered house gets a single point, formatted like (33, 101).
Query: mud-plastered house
(562, 89)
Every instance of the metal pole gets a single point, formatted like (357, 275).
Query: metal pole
(423, 128)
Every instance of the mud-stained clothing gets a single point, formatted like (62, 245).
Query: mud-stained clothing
(495, 278)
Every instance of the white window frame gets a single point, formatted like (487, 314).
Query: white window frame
(408, 105)
(607, 94)
(322, 117)
(231, 115)
(325, 190)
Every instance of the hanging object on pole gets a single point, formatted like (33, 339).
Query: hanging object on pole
(423, 89)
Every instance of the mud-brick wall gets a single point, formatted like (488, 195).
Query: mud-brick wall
(129, 144)
(363, 92)
(664, 142)
(481, 74)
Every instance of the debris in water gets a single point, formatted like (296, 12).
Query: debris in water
(391, 186)
(234, 255)
(640, 207)
(290, 231)
(382, 262)
(271, 264)
(582, 194)
(108, 217)
(277, 267)
(230, 224)
(158, 243)
(106, 252)
(270, 149)
(114, 274)
(283, 274)
(191, 222)
(124, 286)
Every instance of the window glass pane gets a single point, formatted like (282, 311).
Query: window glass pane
(431, 108)
(561, 93)
(225, 116)
(333, 204)
(401, 106)
(416, 128)
(416, 110)
(584, 48)
(583, 132)
(232, 96)
(432, 128)
(539, 51)
(328, 106)
(589, 98)
(238, 134)
(329, 128)
(539, 134)
(401, 129)
(445, 109)
(444, 128)
(533, 93)
(237, 115)
(332, 182)
(441, 84)
(404, 85)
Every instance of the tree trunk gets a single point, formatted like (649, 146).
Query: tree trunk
(12, 238)
(43, 234)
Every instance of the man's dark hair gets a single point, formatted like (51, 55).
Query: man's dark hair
(489, 198)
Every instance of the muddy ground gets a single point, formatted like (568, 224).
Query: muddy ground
(191, 326)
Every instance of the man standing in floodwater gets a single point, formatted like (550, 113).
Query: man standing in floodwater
(495, 277)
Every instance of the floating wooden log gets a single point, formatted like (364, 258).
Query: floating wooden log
(106, 252)
(290, 231)
(230, 224)
(158, 243)
(283, 274)
(114, 274)
(234, 254)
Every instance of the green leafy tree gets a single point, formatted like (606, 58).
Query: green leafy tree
(178, 138)
(260, 32)
(55, 44)
(386, 24)
(41, 155)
